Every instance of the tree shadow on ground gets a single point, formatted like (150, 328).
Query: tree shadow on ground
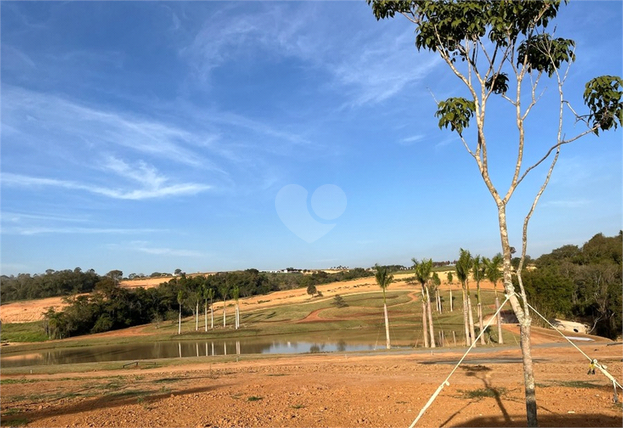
(568, 420)
(481, 372)
(108, 401)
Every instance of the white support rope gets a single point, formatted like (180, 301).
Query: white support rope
(445, 382)
(592, 360)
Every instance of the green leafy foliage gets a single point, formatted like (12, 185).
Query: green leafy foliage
(455, 113)
(112, 307)
(422, 270)
(604, 97)
(581, 282)
(550, 292)
(445, 25)
(383, 278)
(339, 302)
(50, 284)
(463, 265)
(544, 53)
(311, 289)
(498, 83)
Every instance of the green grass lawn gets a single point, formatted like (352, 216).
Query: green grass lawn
(362, 318)
(24, 332)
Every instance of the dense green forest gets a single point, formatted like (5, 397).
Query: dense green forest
(582, 283)
(70, 282)
(111, 307)
(50, 284)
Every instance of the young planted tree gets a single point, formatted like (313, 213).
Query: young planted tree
(235, 294)
(204, 295)
(180, 300)
(223, 290)
(478, 272)
(450, 279)
(383, 279)
(423, 271)
(196, 297)
(211, 294)
(462, 267)
(493, 274)
(311, 290)
(435, 283)
(502, 52)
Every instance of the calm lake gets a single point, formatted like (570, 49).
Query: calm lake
(185, 349)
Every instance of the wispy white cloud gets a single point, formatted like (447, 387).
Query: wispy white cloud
(15, 217)
(34, 230)
(369, 68)
(148, 248)
(15, 58)
(171, 252)
(408, 141)
(60, 123)
(152, 185)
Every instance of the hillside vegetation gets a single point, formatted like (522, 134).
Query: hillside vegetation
(581, 283)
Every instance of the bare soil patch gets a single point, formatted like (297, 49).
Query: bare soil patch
(334, 390)
(30, 310)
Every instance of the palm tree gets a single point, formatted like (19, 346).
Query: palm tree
(435, 283)
(493, 274)
(204, 295)
(478, 272)
(383, 279)
(423, 270)
(224, 291)
(210, 295)
(236, 296)
(463, 266)
(180, 299)
(450, 278)
(197, 299)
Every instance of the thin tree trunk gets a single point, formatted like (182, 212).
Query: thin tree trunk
(424, 323)
(224, 315)
(451, 302)
(211, 316)
(524, 320)
(468, 341)
(482, 325)
(430, 319)
(205, 316)
(387, 342)
(179, 322)
(197, 316)
(528, 374)
(499, 320)
(237, 317)
(470, 315)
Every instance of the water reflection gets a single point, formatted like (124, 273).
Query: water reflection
(157, 350)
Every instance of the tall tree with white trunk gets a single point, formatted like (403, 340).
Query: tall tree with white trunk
(502, 52)
(383, 279)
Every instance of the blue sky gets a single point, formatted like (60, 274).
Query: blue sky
(150, 136)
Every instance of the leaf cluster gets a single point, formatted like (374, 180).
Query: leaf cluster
(545, 54)
(604, 97)
(455, 113)
(445, 24)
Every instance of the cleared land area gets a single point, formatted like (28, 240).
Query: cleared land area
(367, 389)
